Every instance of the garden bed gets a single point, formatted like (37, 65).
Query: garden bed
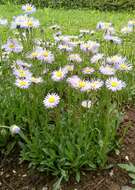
(15, 175)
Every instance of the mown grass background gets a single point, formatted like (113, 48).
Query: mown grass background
(71, 20)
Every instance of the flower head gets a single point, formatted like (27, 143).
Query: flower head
(114, 84)
(90, 46)
(75, 58)
(12, 45)
(87, 70)
(23, 83)
(107, 70)
(29, 9)
(59, 74)
(14, 129)
(51, 100)
(96, 84)
(86, 103)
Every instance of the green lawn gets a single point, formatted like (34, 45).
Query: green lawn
(71, 20)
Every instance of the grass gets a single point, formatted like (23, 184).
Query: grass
(71, 20)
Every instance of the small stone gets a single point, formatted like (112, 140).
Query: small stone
(14, 171)
(24, 175)
(7, 176)
(0, 183)
(127, 158)
(126, 188)
(111, 173)
(1, 173)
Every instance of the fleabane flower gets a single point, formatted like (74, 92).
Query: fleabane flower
(29, 9)
(51, 100)
(97, 57)
(124, 66)
(83, 85)
(116, 59)
(107, 70)
(23, 83)
(45, 56)
(88, 70)
(131, 23)
(75, 58)
(36, 80)
(65, 47)
(115, 84)
(90, 46)
(126, 30)
(12, 45)
(114, 39)
(22, 64)
(22, 73)
(24, 21)
(96, 84)
(68, 68)
(14, 129)
(3, 22)
(59, 74)
(103, 25)
(86, 103)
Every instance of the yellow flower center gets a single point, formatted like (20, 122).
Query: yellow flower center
(22, 83)
(123, 66)
(88, 70)
(22, 73)
(29, 8)
(51, 99)
(34, 54)
(12, 46)
(45, 53)
(59, 74)
(94, 84)
(30, 23)
(82, 84)
(114, 84)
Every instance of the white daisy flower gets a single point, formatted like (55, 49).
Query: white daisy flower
(114, 84)
(13, 45)
(51, 100)
(124, 67)
(103, 25)
(83, 85)
(14, 129)
(97, 57)
(36, 80)
(29, 9)
(96, 84)
(90, 46)
(68, 68)
(114, 39)
(131, 23)
(3, 22)
(86, 103)
(23, 83)
(64, 47)
(58, 75)
(45, 56)
(87, 70)
(126, 30)
(107, 70)
(116, 59)
(75, 58)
